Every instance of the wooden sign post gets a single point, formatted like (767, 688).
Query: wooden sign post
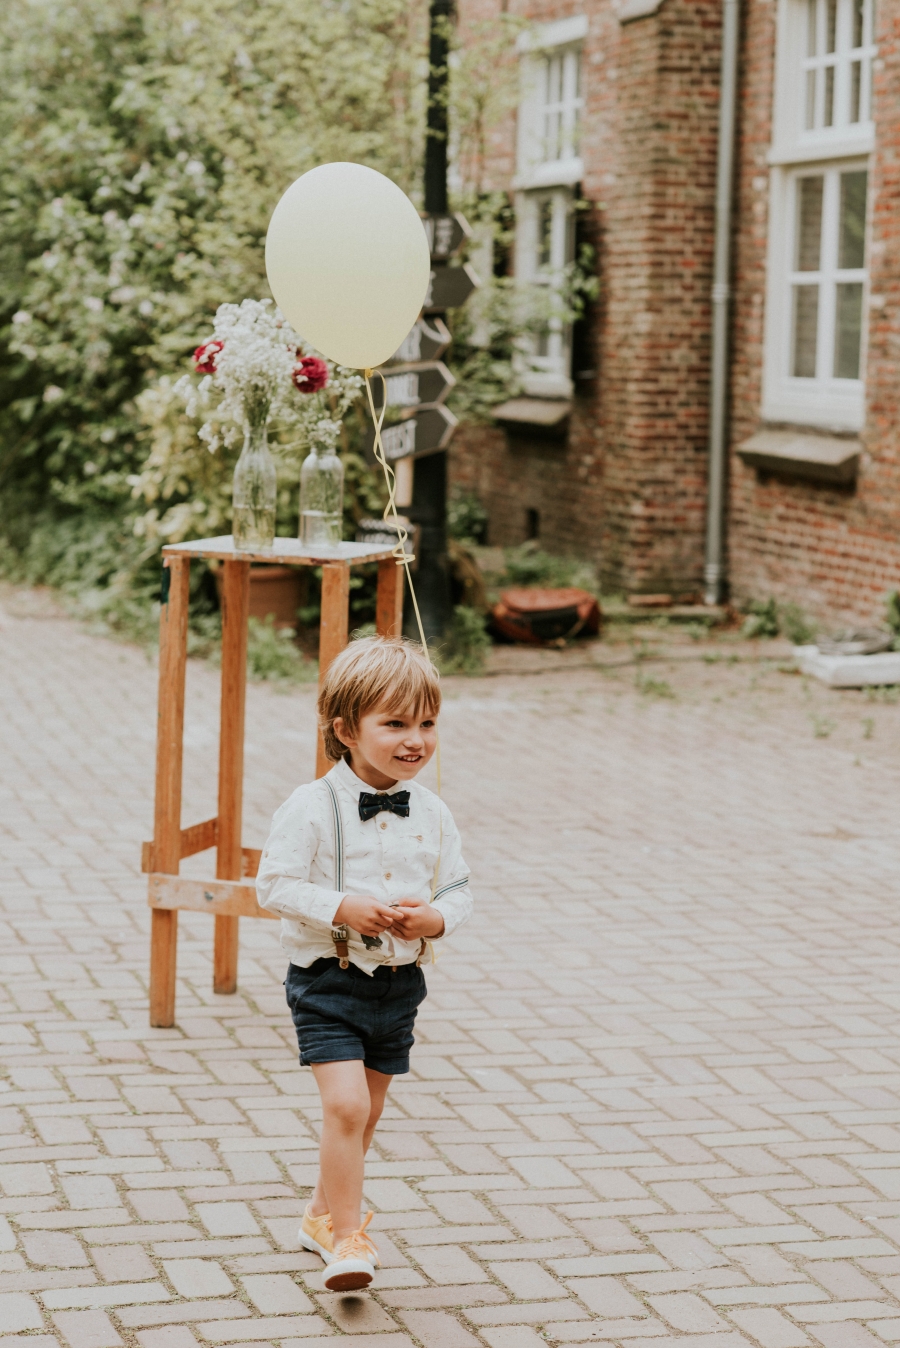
(227, 897)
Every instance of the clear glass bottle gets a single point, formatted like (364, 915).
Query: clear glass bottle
(321, 498)
(253, 496)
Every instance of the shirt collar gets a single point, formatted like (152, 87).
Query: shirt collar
(348, 778)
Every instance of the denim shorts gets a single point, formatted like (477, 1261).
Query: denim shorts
(344, 1014)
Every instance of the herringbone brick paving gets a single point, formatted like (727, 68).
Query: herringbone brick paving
(656, 1090)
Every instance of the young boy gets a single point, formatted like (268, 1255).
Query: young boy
(365, 868)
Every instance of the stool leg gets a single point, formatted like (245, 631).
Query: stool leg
(173, 618)
(333, 632)
(235, 610)
(389, 599)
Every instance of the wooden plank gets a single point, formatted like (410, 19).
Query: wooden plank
(333, 632)
(199, 837)
(250, 859)
(230, 899)
(389, 599)
(196, 838)
(235, 612)
(173, 619)
(284, 552)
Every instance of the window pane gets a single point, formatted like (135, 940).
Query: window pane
(811, 12)
(552, 135)
(852, 246)
(545, 232)
(828, 119)
(848, 327)
(830, 24)
(806, 317)
(809, 223)
(858, 11)
(855, 73)
(810, 99)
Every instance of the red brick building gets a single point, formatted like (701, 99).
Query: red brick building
(615, 140)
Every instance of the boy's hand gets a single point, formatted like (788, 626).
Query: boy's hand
(414, 918)
(366, 915)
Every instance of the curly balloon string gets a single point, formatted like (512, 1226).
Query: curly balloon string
(403, 559)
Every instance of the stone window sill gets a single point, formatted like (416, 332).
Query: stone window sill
(819, 458)
(545, 414)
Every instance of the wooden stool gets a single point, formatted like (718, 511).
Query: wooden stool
(226, 897)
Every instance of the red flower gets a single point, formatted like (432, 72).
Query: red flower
(205, 356)
(310, 374)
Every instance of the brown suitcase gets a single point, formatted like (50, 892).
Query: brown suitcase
(544, 616)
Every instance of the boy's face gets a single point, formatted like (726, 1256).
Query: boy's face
(389, 745)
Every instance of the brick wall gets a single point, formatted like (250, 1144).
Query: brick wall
(835, 551)
(628, 486)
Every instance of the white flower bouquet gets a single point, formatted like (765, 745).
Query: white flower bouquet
(257, 372)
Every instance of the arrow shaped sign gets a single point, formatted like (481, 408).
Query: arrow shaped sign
(424, 433)
(428, 340)
(446, 234)
(414, 385)
(450, 287)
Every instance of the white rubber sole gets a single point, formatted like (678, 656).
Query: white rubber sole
(312, 1245)
(347, 1275)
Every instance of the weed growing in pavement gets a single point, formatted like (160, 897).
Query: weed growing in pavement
(653, 687)
(822, 725)
(868, 727)
(889, 693)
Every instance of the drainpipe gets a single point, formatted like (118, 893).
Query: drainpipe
(715, 570)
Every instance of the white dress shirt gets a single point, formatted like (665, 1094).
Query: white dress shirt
(387, 856)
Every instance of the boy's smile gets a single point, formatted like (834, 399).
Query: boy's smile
(390, 746)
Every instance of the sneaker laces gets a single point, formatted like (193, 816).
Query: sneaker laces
(358, 1245)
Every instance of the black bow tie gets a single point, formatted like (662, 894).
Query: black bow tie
(371, 802)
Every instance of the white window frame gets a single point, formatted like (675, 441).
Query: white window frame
(545, 365)
(826, 402)
(539, 48)
(545, 181)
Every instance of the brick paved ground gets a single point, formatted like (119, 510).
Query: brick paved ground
(656, 1094)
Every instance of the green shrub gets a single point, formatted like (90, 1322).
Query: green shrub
(467, 519)
(272, 654)
(762, 619)
(768, 618)
(795, 625)
(528, 565)
(465, 648)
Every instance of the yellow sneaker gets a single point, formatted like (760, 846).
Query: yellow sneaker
(315, 1234)
(353, 1263)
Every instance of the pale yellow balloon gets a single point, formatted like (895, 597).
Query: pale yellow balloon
(348, 262)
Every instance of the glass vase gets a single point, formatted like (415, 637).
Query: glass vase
(321, 498)
(253, 497)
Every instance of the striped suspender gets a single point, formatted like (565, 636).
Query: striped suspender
(340, 935)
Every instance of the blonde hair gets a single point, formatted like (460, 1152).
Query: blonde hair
(373, 672)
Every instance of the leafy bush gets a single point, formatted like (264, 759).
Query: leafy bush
(141, 150)
(465, 648)
(795, 625)
(467, 518)
(762, 619)
(272, 654)
(528, 565)
(892, 615)
(768, 618)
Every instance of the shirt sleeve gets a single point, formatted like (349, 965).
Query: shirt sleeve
(452, 896)
(282, 882)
